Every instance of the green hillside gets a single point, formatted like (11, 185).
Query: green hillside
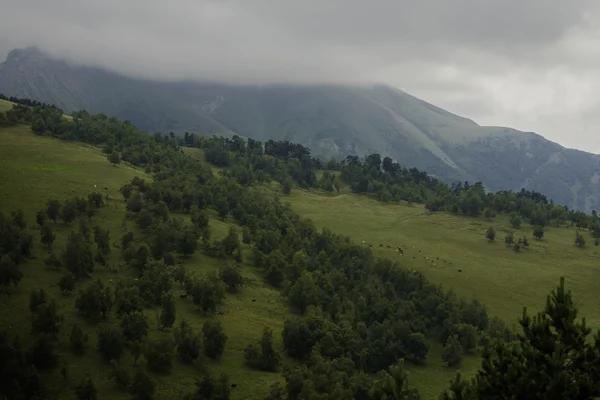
(439, 244)
(34, 169)
(332, 120)
(348, 292)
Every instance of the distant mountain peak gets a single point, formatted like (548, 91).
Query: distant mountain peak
(332, 120)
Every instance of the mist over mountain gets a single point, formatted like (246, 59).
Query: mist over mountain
(332, 120)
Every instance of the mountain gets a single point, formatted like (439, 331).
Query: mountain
(332, 120)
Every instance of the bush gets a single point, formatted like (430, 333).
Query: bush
(509, 239)
(579, 239)
(214, 339)
(538, 232)
(263, 356)
(490, 234)
(158, 355)
(188, 342)
(453, 352)
(77, 340)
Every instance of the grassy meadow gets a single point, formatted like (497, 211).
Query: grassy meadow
(439, 244)
(34, 169)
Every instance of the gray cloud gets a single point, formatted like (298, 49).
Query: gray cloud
(529, 64)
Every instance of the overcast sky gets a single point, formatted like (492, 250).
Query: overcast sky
(528, 64)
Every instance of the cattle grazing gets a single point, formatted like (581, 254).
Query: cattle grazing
(253, 300)
(388, 246)
(234, 385)
(183, 296)
(380, 245)
(105, 187)
(370, 245)
(460, 270)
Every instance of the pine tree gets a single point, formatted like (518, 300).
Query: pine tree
(552, 358)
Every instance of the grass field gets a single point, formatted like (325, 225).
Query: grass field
(34, 169)
(5, 105)
(502, 279)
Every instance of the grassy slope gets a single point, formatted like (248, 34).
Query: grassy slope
(502, 279)
(34, 169)
(5, 105)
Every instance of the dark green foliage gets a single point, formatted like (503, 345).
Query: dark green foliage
(167, 311)
(490, 234)
(10, 273)
(489, 213)
(18, 219)
(417, 347)
(102, 240)
(263, 356)
(110, 343)
(95, 301)
(67, 283)
(142, 387)
(53, 208)
(304, 292)
(467, 336)
(159, 354)
(287, 185)
(68, 211)
(77, 340)
(154, 284)
(77, 256)
(127, 298)
(231, 242)
(509, 238)
(552, 358)
(207, 388)
(47, 236)
(126, 240)
(188, 342)
(179, 274)
(119, 375)
(199, 218)
(579, 239)
(37, 298)
(42, 353)
(207, 292)
(86, 390)
(515, 221)
(214, 339)
(53, 261)
(134, 327)
(126, 191)
(40, 218)
(114, 158)
(231, 276)
(453, 351)
(46, 319)
(15, 242)
(18, 377)
(538, 232)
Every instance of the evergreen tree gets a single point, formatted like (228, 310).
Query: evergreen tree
(167, 311)
(453, 351)
(552, 358)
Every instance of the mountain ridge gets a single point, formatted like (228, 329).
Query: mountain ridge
(332, 120)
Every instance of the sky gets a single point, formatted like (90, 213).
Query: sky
(532, 65)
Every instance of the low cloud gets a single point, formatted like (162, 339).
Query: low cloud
(529, 64)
